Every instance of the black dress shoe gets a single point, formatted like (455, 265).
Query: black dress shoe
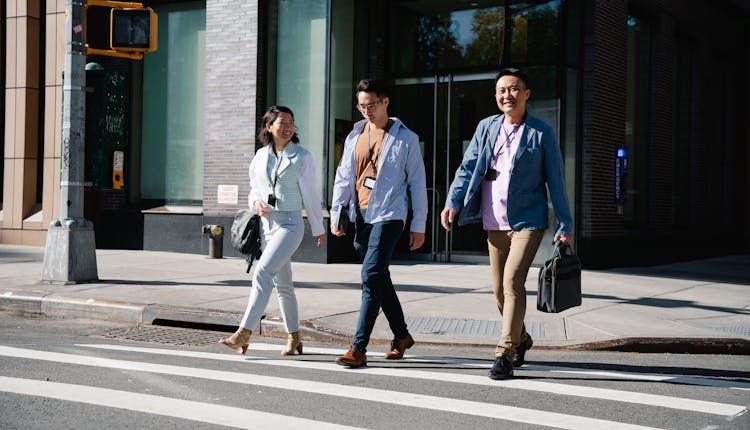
(502, 369)
(520, 356)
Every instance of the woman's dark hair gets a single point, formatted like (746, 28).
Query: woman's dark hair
(269, 117)
(372, 86)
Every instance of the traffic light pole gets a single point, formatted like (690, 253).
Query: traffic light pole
(70, 251)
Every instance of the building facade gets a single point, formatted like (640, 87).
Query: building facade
(649, 100)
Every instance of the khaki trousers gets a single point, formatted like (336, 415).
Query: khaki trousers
(511, 254)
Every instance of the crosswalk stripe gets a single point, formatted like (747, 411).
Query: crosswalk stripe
(482, 363)
(703, 406)
(489, 410)
(717, 383)
(159, 405)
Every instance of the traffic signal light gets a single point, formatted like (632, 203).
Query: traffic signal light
(133, 30)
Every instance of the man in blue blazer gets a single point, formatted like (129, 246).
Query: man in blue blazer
(513, 160)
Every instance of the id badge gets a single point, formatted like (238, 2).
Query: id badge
(491, 175)
(369, 182)
(271, 200)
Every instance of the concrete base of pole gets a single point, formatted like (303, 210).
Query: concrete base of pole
(70, 252)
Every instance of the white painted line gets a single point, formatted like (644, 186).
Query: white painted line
(489, 410)
(658, 377)
(186, 409)
(460, 378)
(484, 363)
(407, 357)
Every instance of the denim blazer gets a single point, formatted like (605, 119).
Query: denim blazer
(537, 167)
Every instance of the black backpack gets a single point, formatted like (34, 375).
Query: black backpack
(245, 235)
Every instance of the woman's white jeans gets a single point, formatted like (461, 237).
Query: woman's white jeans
(281, 235)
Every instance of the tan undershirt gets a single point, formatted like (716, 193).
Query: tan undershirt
(362, 158)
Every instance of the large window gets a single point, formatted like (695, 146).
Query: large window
(297, 69)
(173, 107)
(432, 36)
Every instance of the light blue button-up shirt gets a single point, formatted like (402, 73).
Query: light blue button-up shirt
(400, 168)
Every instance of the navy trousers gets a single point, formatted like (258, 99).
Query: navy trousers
(375, 244)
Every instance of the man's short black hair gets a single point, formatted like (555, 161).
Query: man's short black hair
(512, 71)
(372, 86)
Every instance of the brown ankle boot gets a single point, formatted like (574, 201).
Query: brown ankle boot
(292, 344)
(398, 347)
(238, 341)
(352, 358)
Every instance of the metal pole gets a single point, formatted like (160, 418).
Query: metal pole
(435, 218)
(448, 234)
(70, 251)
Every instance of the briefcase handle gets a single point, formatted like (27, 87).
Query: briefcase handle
(562, 249)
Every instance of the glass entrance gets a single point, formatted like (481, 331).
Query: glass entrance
(444, 111)
(440, 58)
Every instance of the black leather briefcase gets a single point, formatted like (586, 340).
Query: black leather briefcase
(559, 281)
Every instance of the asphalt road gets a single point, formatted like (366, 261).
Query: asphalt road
(88, 375)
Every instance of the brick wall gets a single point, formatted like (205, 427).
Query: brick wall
(605, 44)
(661, 126)
(231, 88)
(696, 153)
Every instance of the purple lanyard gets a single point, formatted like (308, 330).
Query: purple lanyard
(508, 139)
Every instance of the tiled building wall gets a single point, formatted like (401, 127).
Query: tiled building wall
(231, 88)
(53, 80)
(21, 220)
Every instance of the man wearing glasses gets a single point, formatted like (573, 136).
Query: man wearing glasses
(381, 162)
(502, 182)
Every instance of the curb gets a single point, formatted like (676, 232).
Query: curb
(675, 345)
(44, 303)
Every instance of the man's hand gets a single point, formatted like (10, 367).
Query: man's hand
(336, 231)
(416, 240)
(565, 239)
(446, 218)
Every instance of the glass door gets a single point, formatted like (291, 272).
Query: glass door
(444, 111)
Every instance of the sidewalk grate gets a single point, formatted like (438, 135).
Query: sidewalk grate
(742, 330)
(165, 335)
(464, 327)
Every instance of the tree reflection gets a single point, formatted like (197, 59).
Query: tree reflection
(435, 42)
(534, 37)
(489, 28)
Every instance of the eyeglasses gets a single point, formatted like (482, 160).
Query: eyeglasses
(368, 107)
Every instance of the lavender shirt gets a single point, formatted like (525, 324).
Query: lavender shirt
(495, 193)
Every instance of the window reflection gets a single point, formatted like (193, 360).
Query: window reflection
(507, 32)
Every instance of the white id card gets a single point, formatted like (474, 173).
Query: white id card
(369, 182)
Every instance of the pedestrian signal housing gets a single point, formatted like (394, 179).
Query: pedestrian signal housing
(133, 30)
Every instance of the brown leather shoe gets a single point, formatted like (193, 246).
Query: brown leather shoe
(398, 347)
(352, 358)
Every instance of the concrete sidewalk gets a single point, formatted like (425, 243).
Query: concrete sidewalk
(699, 306)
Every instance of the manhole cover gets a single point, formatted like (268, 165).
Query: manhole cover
(166, 335)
